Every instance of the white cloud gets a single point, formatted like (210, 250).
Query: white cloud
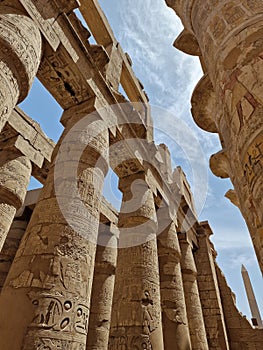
(146, 30)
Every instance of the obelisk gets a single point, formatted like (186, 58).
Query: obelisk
(251, 298)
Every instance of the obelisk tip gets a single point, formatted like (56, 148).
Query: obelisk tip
(243, 269)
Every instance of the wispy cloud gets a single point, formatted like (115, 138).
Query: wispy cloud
(146, 30)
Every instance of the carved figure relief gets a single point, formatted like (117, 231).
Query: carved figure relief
(147, 309)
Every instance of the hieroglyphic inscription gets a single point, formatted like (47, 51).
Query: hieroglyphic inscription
(25, 49)
(141, 342)
(59, 314)
(45, 25)
(63, 79)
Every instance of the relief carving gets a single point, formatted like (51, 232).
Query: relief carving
(141, 343)
(48, 344)
(148, 314)
(174, 315)
(57, 344)
(81, 319)
(52, 313)
(23, 49)
(44, 24)
(63, 79)
(59, 314)
(253, 162)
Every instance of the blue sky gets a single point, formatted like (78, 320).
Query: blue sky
(146, 30)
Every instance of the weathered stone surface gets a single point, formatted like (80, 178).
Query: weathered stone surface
(64, 286)
(229, 36)
(15, 175)
(102, 288)
(10, 247)
(192, 297)
(136, 315)
(240, 332)
(209, 290)
(20, 43)
(174, 315)
(53, 269)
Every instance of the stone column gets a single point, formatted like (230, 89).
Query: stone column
(193, 304)
(229, 37)
(174, 316)
(102, 288)
(209, 290)
(15, 172)
(136, 318)
(20, 53)
(10, 247)
(47, 292)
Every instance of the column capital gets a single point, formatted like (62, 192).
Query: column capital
(20, 42)
(183, 9)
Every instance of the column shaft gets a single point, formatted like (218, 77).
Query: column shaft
(193, 304)
(47, 292)
(174, 316)
(136, 317)
(210, 294)
(102, 289)
(14, 179)
(10, 247)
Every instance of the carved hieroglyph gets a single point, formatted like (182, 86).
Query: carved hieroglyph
(229, 37)
(20, 53)
(51, 278)
(136, 317)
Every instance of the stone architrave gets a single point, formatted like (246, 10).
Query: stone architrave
(15, 172)
(136, 317)
(20, 54)
(48, 289)
(192, 298)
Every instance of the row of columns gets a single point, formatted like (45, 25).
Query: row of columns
(20, 54)
(51, 277)
(48, 292)
(146, 295)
